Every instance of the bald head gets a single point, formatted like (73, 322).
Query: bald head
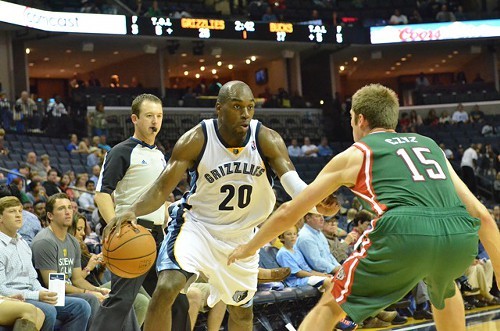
(233, 90)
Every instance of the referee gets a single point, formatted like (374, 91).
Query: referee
(128, 170)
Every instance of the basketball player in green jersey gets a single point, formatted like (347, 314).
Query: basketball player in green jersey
(427, 225)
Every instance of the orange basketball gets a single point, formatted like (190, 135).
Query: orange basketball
(131, 254)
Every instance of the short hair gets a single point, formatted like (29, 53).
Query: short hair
(49, 205)
(90, 181)
(2, 132)
(10, 190)
(136, 104)
(7, 202)
(362, 217)
(378, 104)
(226, 89)
(282, 235)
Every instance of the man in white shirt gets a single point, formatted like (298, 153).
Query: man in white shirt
(308, 149)
(468, 164)
(294, 149)
(460, 115)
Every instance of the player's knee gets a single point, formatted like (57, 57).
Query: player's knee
(241, 314)
(170, 284)
(194, 297)
(29, 313)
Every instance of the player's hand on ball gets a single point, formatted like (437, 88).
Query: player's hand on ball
(329, 206)
(117, 222)
(240, 253)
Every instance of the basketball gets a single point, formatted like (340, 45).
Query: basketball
(131, 254)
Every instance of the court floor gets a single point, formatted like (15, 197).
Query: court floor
(484, 319)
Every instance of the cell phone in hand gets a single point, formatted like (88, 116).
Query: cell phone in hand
(57, 284)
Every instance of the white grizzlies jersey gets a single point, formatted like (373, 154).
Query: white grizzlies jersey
(232, 187)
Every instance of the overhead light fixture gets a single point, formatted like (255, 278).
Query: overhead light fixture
(403, 59)
(217, 56)
(68, 51)
(116, 52)
(230, 66)
(455, 52)
(202, 68)
(184, 54)
(216, 51)
(148, 49)
(387, 72)
(46, 59)
(201, 60)
(28, 50)
(247, 61)
(92, 60)
(342, 68)
(197, 75)
(443, 61)
(88, 47)
(31, 64)
(186, 73)
(77, 65)
(62, 70)
(398, 63)
(214, 71)
(355, 59)
(184, 65)
(393, 68)
(219, 63)
(253, 58)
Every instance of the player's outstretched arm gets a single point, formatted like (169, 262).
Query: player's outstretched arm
(343, 169)
(184, 155)
(275, 150)
(488, 233)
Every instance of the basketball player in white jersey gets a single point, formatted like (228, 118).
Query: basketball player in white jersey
(231, 160)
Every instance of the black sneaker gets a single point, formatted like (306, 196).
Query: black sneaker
(399, 320)
(465, 286)
(422, 314)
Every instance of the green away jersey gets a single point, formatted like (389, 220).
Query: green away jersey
(403, 169)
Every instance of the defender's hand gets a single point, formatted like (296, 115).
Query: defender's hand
(117, 222)
(329, 206)
(240, 253)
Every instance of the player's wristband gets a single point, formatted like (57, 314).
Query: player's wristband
(292, 183)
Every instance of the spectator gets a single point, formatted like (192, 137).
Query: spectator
(56, 111)
(103, 144)
(447, 152)
(460, 15)
(421, 81)
(480, 275)
(40, 212)
(404, 122)
(361, 223)
(89, 7)
(294, 149)
(314, 247)
(72, 147)
(432, 118)
(5, 112)
(415, 120)
(308, 149)
(301, 273)
(115, 79)
(415, 17)
(80, 187)
(478, 78)
(86, 199)
(154, 10)
(45, 158)
(36, 192)
(134, 83)
(444, 118)
(76, 82)
(96, 171)
(445, 15)
(269, 15)
(397, 18)
(460, 115)
(476, 115)
(54, 250)
(26, 113)
(468, 165)
(64, 185)
(324, 148)
(93, 80)
(98, 120)
(461, 78)
(3, 150)
(338, 247)
(23, 170)
(94, 157)
(84, 145)
(51, 185)
(21, 278)
(35, 165)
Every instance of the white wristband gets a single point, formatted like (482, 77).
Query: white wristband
(292, 183)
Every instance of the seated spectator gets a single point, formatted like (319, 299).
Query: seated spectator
(21, 278)
(103, 144)
(72, 147)
(478, 78)
(444, 118)
(445, 15)
(93, 267)
(51, 185)
(269, 15)
(96, 171)
(115, 79)
(404, 122)
(480, 275)
(39, 211)
(415, 17)
(476, 115)
(98, 121)
(45, 159)
(35, 165)
(197, 295)
(308, 149)
(80, 184)
(94, 157)
(415, 121)
(154, 10)
(294, 149)
(88, 6)
(54, 250)
(432, 118)
(301, 273)
(20, 315)
(333, 234)
(447, 152)
(361, 223)
(314, 247)
(3, 150)
(460, 15)
(86, 199)
(460, 115)
(22, 171)
(398, 18)
(324, 148)
(64, 185)
(36, 192)
(76, 82)
(93, 81)
(134, 83)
